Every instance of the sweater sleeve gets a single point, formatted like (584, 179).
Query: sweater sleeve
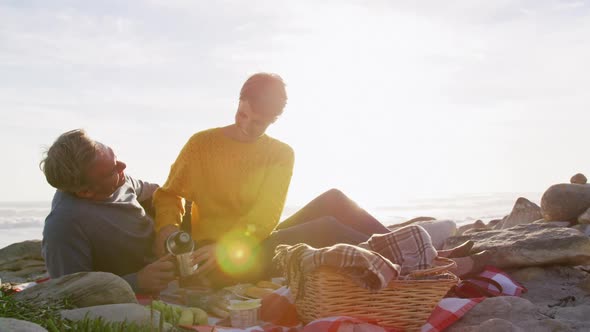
(263, 217)
(143, 189)
(168, 200)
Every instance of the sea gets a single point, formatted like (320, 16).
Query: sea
(20, 221)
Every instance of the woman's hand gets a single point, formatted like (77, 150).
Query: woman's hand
(206, 257)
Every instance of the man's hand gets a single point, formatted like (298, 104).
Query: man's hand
(206, 257)
(155, 277)
(160, 243)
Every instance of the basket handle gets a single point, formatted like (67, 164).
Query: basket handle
(442, 264)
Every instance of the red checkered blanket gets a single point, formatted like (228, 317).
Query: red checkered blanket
(279, 313)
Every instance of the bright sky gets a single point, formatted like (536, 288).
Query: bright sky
(388, 100)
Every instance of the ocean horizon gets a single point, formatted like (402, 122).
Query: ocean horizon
(22, 220)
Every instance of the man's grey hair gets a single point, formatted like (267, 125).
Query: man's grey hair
(68, 159)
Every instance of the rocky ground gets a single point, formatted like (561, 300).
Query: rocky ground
(546, 248)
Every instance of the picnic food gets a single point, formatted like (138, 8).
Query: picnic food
(176, 314)
(268, 284)
(258, 292)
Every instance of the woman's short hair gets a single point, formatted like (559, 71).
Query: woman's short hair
(67, 160)
(260, 83)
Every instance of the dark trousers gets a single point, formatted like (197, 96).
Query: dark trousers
(329, 219)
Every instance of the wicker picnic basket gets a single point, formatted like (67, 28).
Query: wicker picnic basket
(403, 304)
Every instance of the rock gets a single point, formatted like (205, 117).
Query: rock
(476, 230)
(496, 324)
(17, 325)
(553, 286)
(585, 284)
(565, 202)
(584, 218)
(577, 313)
(529, 245)
(130, 312)
(83, 289)
(553, 223)
(22, 262)
(523, 212)
(583, 228)
(476, 224)
(20, 251)
(579, 179)
(506, 313)
(439, 231)
(494, 222)
(528, 274)
(575, 317)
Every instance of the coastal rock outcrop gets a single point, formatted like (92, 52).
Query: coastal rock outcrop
(554, 286)
(523, 212)
(565, 202)
(83, 289)
(22, 261)
(11, 324)
(506, 313)
(530, 245)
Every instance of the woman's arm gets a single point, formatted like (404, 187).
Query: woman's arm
(263, 217)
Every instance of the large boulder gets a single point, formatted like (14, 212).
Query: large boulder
(121, 312)
(554, 286)
(523, 212)
(530, 245)
(506, 313)
(21, 262)
(83, 289)
(21, 250)
(565, 202)
(17, 325)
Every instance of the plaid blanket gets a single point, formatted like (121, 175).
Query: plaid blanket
(372, 264)
(366, 268)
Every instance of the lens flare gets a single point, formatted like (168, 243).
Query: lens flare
(237, 253)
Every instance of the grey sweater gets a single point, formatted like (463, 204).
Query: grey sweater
(114, 235)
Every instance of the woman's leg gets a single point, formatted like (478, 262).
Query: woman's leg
(318, 233)
(321, 232)
(335, 204)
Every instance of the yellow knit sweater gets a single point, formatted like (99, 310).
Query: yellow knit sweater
(234, 186)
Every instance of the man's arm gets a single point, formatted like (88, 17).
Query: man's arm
(66, 248)
(143, 189)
